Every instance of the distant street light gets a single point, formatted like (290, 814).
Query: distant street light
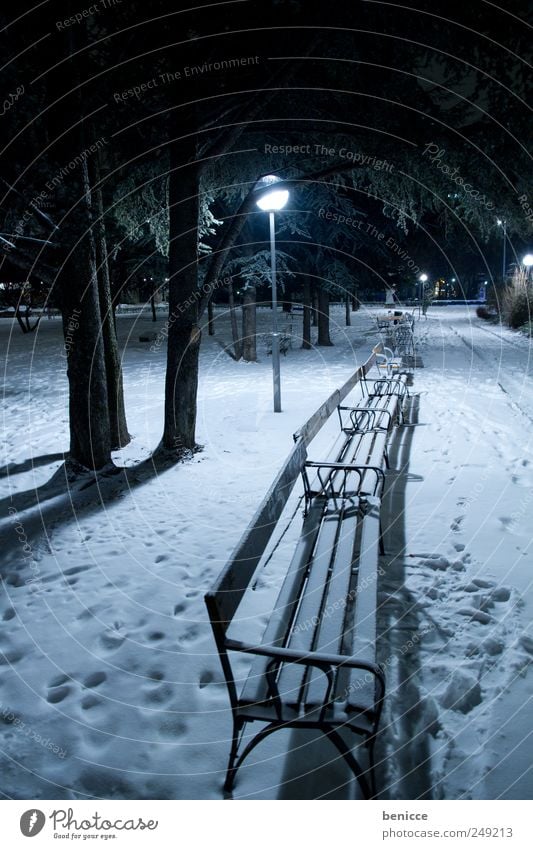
(271, 198)
(503, 223)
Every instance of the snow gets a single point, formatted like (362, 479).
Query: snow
(110, 685)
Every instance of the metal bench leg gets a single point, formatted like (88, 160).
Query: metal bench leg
(231, 771)
(372, 766)
(352, 762)
(261, 735)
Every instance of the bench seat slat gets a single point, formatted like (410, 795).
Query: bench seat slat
(356, 450)
(361, 637)
(302, 637)
(255, 689)
(329, 635)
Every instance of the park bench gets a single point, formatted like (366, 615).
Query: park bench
(357, 462)
(315, 665)
(286, 332)
(397, 330)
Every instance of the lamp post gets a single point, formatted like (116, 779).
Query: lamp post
(272, 197)
(422, 279)
(503, 223)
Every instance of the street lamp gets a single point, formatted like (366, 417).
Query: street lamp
(503, 223)
(423, 279)
(271, 198)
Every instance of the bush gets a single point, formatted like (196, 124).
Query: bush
(517, 301)
(486, 314)
(527, 328)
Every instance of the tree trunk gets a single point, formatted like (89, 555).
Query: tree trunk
(90, 435)
(20, 320)
(184, 336)
(152, 302)
(347, 304)
(249, 325)
(210, 318)
(115, 388)
(237, 343)
(323, 317)
(314, 307)
(306, 332)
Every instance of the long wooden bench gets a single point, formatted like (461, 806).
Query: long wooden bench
(315, 665)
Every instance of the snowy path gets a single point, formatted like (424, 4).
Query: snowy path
(466, 568)
(109, 657)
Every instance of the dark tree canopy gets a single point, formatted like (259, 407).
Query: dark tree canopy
(134, 135)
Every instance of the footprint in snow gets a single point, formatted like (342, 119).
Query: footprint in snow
(94, 679)
(457, 522)
(206, 678)
(505, 520)
(190, 635)
(476, 615)
(58, 680)
(90, 701)
(9, 657)
(8, 614)
(57, 694)
(159, 695)
(155, 675)
(155, 636)
(482, 583)
(88, 612)
(112, 640)
(500, 594)
(75, 569)
(527, 643)
(173, 727)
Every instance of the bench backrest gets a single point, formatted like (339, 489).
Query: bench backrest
(226, 594)
(309, 430)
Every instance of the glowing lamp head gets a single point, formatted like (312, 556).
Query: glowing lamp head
(528, 260)
(423, 278)
(271, 195)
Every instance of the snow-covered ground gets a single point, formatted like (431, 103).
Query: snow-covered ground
(110, 685)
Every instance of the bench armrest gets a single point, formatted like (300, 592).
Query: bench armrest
(346, 467)
(324, 661)
(360, 468)
(313, 658)
(368, 413)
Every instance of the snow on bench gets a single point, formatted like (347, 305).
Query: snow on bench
(315, 665)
